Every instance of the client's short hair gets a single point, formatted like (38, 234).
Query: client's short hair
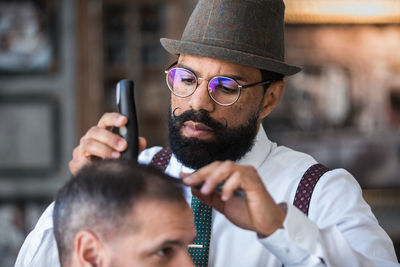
(101, 194)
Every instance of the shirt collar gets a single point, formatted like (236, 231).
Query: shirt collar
(260, 151)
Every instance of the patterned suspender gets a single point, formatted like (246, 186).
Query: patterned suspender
(307, 185)
(161, 158)
(303, 192)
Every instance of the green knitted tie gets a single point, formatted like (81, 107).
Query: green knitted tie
(202, 220)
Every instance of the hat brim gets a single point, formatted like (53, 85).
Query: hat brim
(177, 47)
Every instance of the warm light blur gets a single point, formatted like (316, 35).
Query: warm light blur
(342, 11)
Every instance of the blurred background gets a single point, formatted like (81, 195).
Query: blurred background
(60, 61)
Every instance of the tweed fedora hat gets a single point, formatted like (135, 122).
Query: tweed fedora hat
(246, 32)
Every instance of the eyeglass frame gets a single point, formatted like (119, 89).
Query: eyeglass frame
(240, 87)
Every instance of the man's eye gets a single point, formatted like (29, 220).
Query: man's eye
(165, 252)
(226, 90)
(188, 80)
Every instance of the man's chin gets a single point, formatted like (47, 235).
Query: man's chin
(198, 141)
(207, 141)
(193, 152)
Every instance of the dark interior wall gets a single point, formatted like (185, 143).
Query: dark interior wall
(37, 112)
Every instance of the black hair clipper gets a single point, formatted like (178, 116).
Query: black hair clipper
(126, 106)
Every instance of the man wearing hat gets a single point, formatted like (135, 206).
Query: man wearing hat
(274, 206)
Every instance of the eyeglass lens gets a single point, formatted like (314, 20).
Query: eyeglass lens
(222, 90)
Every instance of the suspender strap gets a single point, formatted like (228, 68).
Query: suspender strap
(161, 158)
(307, 185)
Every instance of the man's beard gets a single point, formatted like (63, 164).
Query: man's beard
(227, 143)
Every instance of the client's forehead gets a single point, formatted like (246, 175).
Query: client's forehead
(155, 223)
(154, 217)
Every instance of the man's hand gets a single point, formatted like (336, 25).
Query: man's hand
(257, 211)
(100, 142)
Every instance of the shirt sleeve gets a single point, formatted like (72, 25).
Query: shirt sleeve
(39, 248)
(340, 230)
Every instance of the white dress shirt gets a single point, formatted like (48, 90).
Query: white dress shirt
(340, 229)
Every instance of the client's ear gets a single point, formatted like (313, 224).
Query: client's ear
(88, 249)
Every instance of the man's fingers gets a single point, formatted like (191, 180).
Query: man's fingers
(183, 175)
(94, 148)
(100, 142)
(77, 153)
(230, 186)
(142, 144)
(113, 119)
(212, 200)
(103, 143)
(76, 165)
(201, 175)
(106, 137)
(81, 155)
(219, 175)
(213, 175)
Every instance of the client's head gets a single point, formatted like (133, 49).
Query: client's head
(114, 213)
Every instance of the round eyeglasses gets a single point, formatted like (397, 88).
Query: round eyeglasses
(223, 90)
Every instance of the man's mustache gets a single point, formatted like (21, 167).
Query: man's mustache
(198, 116)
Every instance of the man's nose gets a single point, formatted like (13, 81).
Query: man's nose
(200, 100)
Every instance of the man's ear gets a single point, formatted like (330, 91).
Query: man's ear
(271, 98)
(88, 249)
